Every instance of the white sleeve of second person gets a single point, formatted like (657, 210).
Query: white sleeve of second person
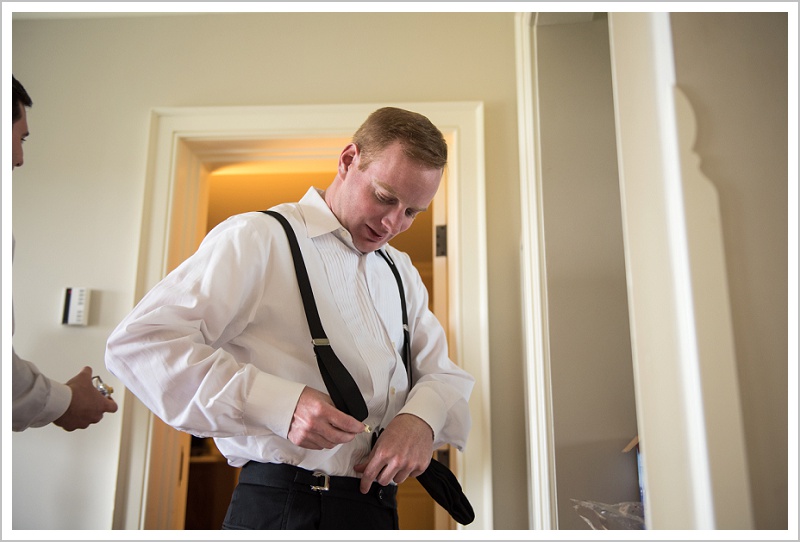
(38, 400)
(168, 351)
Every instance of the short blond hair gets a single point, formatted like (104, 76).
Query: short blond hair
(421, 140)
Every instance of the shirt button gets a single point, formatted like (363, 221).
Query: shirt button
(392, 390)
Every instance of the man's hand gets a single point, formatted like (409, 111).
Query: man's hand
(317, 424)
(404, 449)
(87, 405)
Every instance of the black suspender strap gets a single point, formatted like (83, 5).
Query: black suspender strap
(438, 480)
(440, 483)
(342, 388)
(406, 333)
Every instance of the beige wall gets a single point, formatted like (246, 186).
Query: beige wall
(733, 69)
(77, 202)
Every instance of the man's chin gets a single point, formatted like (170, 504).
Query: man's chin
(373, 248)
(370, 246)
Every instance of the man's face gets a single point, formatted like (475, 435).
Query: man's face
(19, 132)
(381, 201)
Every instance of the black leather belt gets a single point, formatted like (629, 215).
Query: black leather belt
(288, 476)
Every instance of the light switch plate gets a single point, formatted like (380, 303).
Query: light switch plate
(76, 306)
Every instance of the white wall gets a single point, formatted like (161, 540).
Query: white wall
(77, 202)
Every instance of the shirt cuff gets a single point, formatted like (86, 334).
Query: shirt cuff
(271, 403)
(426, 404)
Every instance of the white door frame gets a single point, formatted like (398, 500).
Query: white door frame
(542, 508)
(687, 396)
(169, 219)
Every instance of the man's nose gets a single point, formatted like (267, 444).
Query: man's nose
(393, 220)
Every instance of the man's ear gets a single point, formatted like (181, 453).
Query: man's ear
(347, 158)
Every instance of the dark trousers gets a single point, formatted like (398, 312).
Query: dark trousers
(272, 496)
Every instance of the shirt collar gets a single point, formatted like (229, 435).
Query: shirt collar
(320, 220)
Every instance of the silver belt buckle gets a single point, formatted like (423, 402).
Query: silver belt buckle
(326, 482)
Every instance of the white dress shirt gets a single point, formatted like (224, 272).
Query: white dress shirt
(38, 400)
(221, 347)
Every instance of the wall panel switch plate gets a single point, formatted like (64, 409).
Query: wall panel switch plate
(76, 306)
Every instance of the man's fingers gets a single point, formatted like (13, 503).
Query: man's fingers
(318, 439)
(317, 424)
(344, 422)
(320, 405)
(378, 468)
(401, 476)
(111, 405)
(404, 449)
(368, 477)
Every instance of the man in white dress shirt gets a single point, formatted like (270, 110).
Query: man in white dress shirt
(221, 347)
